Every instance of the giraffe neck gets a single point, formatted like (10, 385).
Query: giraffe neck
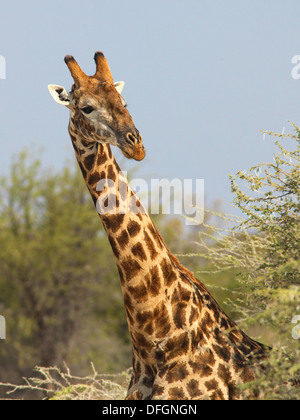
(142, 258)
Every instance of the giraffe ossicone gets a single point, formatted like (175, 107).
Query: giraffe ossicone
(184, 345)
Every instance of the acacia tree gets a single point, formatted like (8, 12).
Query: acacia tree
(264, 247)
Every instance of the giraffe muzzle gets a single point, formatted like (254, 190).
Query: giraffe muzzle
(133, 147)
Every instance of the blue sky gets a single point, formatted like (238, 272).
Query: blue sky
(202, 78)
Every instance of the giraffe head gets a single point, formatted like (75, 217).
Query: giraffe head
(97, 110)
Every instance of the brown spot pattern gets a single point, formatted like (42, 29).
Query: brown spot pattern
(150, 245)
(131, 268)
(133, 228)
(138, 251)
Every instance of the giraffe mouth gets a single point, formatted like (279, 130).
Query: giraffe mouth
(136, 153)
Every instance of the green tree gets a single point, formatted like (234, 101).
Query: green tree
(59, 287)
(264, 249)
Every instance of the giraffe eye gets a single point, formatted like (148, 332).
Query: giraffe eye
(87, 109)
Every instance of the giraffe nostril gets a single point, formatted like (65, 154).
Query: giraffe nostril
(131, 139)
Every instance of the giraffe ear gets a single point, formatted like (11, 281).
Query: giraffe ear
(59, 94)
(119, 86)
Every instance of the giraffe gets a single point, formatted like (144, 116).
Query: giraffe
(184, 346)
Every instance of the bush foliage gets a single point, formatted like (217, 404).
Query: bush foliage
(264, 249)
